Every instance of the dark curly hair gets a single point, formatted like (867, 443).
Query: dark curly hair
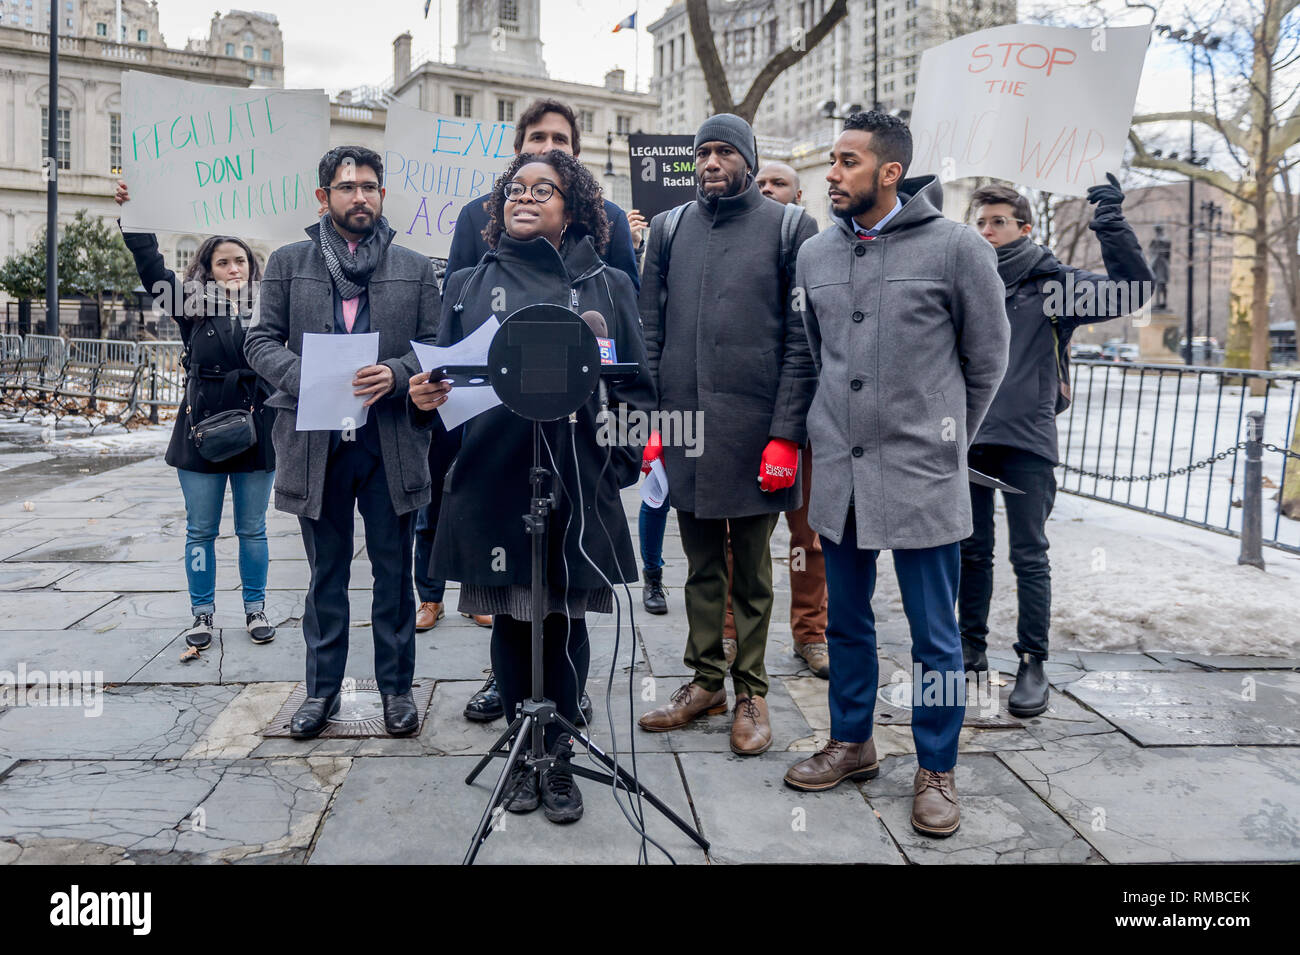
(582, 198)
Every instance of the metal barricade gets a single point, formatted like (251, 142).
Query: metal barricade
(45, 346)
(11, 346)
(102, 349)
(164, 381)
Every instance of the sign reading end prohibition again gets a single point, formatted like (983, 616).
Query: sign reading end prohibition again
(1043, 107)
(663, 172)
(220, 160)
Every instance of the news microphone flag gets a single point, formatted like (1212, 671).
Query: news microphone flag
(608, 354)
(627, 23)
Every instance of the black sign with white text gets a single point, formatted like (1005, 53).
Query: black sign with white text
(663, 172)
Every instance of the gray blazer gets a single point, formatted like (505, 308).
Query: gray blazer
(909, 335)
(297, 296)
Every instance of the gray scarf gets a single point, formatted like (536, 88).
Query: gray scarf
(1016, 260)
(351, 271)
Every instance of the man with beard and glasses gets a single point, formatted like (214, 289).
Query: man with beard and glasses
(727, 350)
(348, 278)
(905, 320)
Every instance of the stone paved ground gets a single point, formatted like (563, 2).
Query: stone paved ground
(1142, 757)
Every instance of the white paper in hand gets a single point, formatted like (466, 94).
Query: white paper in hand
(462, 403)
(329, 363)
(654, 490)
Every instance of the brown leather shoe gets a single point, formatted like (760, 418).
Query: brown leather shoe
(429, 614)
(817, 656)
(482, 619)
(836, 762)
(935, 811)
(751, 733)
(729, 650)
(684, 705)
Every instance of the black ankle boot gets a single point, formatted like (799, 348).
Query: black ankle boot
(652, 594)
(1029, 697)
(973, 659)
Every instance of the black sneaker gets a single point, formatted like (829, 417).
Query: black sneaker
(561, 801)
(259, 630)
(199, 636)
(585, 710)
(521, 790)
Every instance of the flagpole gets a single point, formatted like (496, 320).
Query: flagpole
(636, 28)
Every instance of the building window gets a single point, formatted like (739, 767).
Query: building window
(101, 29)
(266, 55)
(64, 136)
(185, 250)
(464, 105)
(142, 36)
(909, 79)
(623, 125)
(268, 73)
(248, 52)
(508, 14)
(505, 111)
(230, 49)
(252, 72)
(586, 120)
(115, 143)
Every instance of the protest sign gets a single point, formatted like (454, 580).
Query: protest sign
(663, 172)
(220, 159)
(435, 164)
(1044, 107)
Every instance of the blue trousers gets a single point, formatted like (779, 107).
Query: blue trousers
(651, 524)
(204, 496)
(928, 579)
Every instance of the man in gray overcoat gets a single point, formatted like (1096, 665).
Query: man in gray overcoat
(728, 351)
(905, 318)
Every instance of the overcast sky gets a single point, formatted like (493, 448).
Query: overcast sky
(333, 45)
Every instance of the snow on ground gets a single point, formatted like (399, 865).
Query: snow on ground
(42, 434)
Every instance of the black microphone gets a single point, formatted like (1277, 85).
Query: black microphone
(596, 322)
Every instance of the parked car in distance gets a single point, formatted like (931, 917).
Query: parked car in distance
(1119, 351)
(1080, 351)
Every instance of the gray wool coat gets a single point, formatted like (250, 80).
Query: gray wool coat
(909, 335)
(723, 340)
(297, 296)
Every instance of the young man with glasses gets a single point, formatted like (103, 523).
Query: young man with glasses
(348, 278)
(1046, 301)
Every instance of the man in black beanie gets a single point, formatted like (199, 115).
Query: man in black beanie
(729, 353)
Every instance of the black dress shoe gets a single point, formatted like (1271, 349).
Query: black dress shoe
(486, 705)
(310, 718)
(400, 715)
(973, 659)
(1029, 697)
(584, 710)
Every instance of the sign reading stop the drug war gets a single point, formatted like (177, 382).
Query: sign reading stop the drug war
(435, 164)
(1044, 107)
(663, 172)
(220, 159)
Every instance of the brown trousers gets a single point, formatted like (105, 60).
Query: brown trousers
(807, 573)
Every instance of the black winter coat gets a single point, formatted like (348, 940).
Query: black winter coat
(218, 377)
(1023, 413)
(487, 489)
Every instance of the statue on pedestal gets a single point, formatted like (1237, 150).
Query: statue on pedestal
(1158, 256)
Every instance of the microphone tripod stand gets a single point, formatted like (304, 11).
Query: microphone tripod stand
(523, 742)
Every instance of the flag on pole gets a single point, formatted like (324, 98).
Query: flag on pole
(627, 23)
(426, 8)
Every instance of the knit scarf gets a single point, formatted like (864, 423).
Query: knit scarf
(351, 271)
(1016, 260)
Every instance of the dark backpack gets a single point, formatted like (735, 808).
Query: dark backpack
(789, 232)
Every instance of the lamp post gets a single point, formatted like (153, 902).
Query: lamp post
(52, 184)
(1198, 39)
(1211, 214)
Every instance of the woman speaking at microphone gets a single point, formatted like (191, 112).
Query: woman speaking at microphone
(546, 232)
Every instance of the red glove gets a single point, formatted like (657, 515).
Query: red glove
(780, 462)
(654, 450)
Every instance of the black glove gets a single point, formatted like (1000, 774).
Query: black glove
(1109, 195)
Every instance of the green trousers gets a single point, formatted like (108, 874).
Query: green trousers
(705, 544)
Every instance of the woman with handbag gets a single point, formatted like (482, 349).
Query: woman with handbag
(223, 428)
(546, 232)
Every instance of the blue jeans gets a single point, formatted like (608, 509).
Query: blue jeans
(204, 496)
(928, 580)
(651, 524)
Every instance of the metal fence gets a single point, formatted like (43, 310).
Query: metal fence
(45, 346)
(1167, 439)
(11, 346)
(164, 383)
(101, 349)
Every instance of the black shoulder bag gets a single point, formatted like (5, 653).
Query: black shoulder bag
(227, 433)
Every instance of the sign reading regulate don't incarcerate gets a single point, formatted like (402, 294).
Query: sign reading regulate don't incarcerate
(220, 159)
